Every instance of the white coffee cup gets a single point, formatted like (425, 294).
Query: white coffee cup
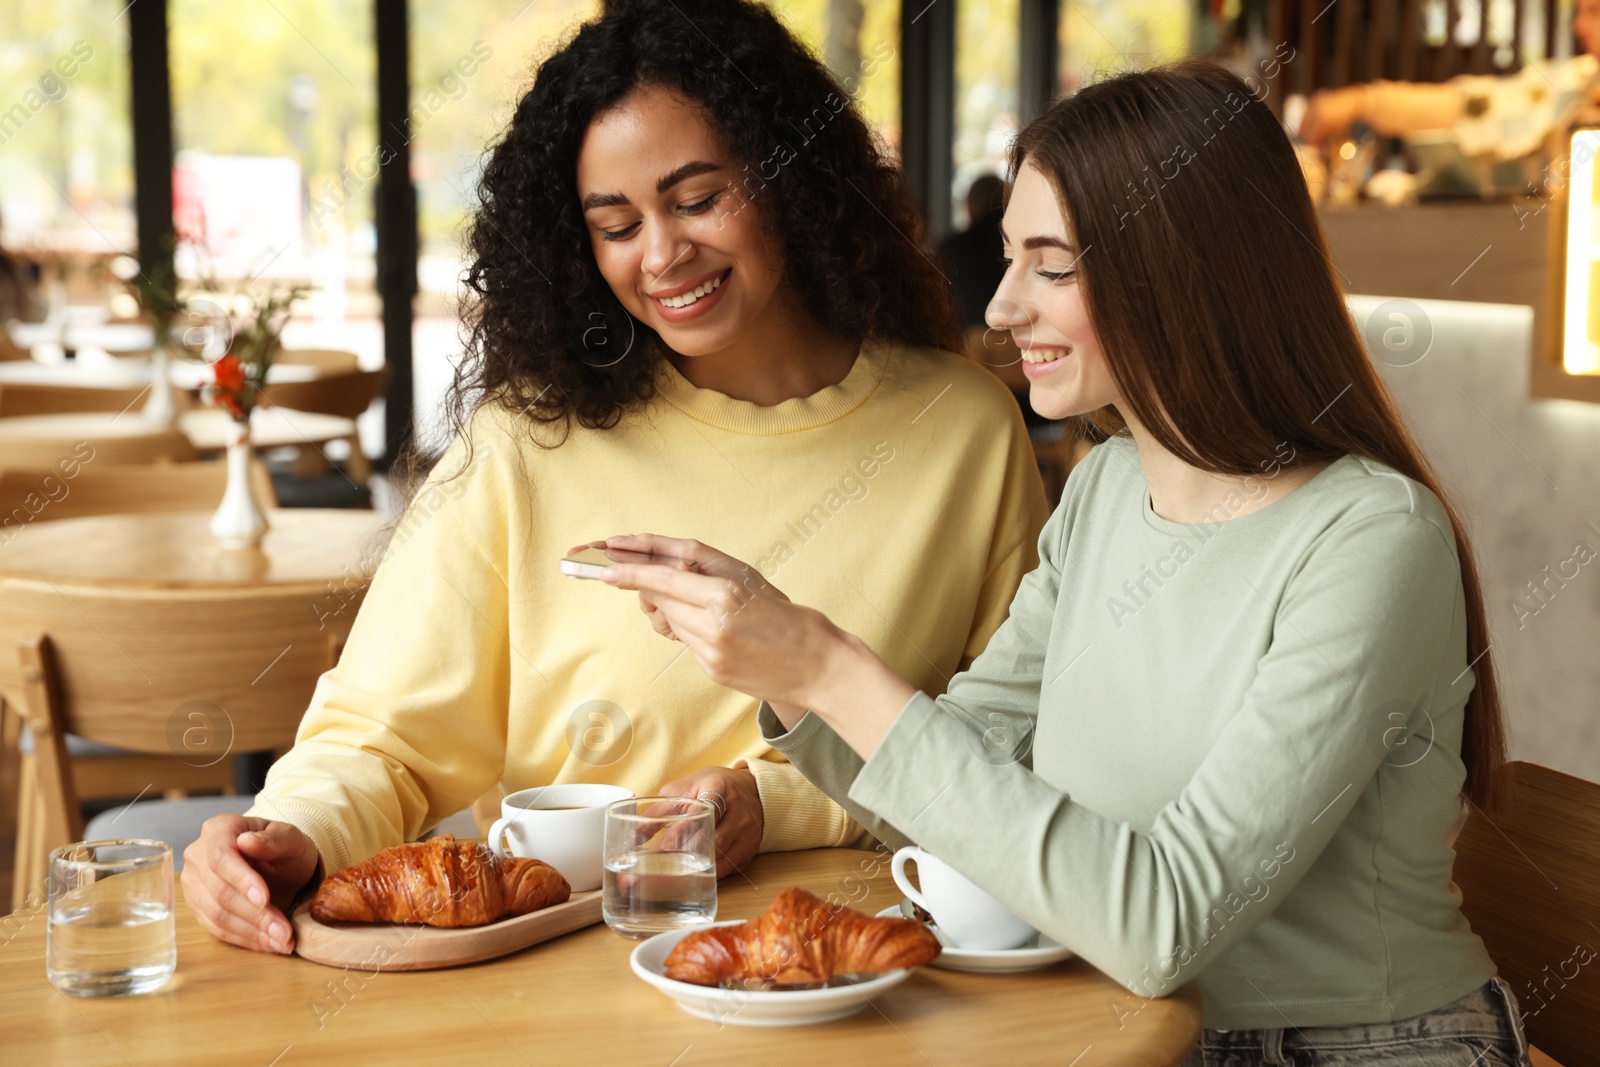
(563, 825)
(966, 915)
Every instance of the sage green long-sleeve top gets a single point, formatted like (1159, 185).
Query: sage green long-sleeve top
(1226, 751)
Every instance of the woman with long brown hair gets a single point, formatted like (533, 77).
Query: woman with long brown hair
(1229, 726)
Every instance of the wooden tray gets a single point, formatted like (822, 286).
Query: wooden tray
(398, 947)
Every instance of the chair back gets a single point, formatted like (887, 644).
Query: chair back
(49, 446)
(347, 394)
(327, 360)
(1530, 887)
(47, 493)
(9, 349)
(32, 398)
(192, 673)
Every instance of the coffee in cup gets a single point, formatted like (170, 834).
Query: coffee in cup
(563, 825)
(967, 916)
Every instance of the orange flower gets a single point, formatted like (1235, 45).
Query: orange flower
(228, 374)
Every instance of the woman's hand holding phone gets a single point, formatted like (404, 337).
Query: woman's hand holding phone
(738, 625)
(747, 635)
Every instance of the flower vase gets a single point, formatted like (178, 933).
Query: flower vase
(160, 408)
(240, 522)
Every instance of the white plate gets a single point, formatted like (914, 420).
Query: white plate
(1042, 952)
(741, 1008)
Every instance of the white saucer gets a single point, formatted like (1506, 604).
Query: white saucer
(742, 1008)
(1041, 951)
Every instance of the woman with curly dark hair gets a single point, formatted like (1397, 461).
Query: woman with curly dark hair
(703, 302)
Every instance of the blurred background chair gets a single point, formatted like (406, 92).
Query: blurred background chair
(46, 495)
(17, 398)
(9, 349)
(43, 441)
(183, 677)
(138, 489)
(347, 394)
(326, 360)
(1530, 887)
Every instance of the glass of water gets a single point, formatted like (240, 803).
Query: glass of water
(660, 865)
(111, 927)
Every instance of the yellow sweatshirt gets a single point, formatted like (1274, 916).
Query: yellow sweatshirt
(903, 501)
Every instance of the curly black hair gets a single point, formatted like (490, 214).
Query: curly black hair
(540, 316)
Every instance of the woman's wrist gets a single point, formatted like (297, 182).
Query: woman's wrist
(856, 693)
(788, 714)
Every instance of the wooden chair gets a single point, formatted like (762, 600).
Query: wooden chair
(19, 398)
(45, 495)
(121, 490)
(175, 675)
(135, 443)
(1530, 887)
(9, 349)
(348, 394)
(326, 360)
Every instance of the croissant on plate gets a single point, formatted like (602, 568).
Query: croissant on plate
(799, 940)
(440, 882)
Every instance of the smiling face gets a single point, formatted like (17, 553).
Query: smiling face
(1586, 25)
(672, 232)
(1042, 304)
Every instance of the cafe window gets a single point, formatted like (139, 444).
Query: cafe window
(1100, 37)
(66, 156)
(986, 94)
(470, 65)
(859, 41)
(274, 129)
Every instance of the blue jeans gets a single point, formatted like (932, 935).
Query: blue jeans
(1482, 1029)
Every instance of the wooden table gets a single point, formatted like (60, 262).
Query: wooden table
(168, 549)
(106, 372)
(573, 1001)
(206, 428)
(43, 441)
(107, 336)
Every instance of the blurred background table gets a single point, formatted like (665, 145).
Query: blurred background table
(40, 440)
(176, 548)
(114, 371)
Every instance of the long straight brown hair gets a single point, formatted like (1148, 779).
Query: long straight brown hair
(1211, 290)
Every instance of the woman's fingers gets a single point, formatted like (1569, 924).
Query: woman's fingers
(236, 868)
(231, 925)
(667, 581)
(228, 867)
(704, 558)
(658, 618)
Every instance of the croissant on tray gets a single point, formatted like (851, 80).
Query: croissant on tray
(440, 882)
(799, 940)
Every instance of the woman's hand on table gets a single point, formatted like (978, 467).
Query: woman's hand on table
(747, 635)
(240, 876)
(739, 813)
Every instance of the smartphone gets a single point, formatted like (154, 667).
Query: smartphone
(591, 561)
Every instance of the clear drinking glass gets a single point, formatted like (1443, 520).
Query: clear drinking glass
(111, 927)
(660, 865)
